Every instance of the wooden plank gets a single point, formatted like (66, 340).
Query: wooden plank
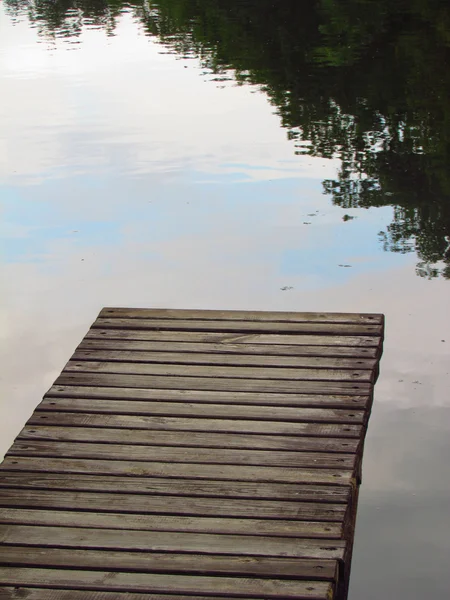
(211, 397)
(86, 366)
(242, 315)
(189, 439)
(340, 341)
(214, 384)
(78, 517)
(239, 326)
(211, 411)
(35, 593)
(269, 351)
(167, 541)
(179, 487)
(322, 570)
(240, 360)
(159, 583)
(335, 430)
(191, 471)
(181, 454)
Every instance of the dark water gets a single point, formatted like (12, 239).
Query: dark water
(242, 154)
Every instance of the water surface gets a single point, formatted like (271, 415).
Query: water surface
(246, 155)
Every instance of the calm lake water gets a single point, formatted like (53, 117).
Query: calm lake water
(249, 155)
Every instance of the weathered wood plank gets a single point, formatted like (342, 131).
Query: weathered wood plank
(345, 340)
(189, 439)
(147, 562)
(214, 384)
(181, 454)
(240, 326)
(211, 397)
(182, 470)
(169, 370)
(166, 541)
(239, 360)
(211, 411)
(179, 487)
(336, 430)
(241, 315)
(20, 592)
(159, 583)
(294, 352)
(79, 517)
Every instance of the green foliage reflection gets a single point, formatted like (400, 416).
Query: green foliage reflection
(366, 81)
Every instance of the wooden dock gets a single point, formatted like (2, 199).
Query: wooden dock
(193, 454)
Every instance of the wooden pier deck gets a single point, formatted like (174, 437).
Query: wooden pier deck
(193, 454)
